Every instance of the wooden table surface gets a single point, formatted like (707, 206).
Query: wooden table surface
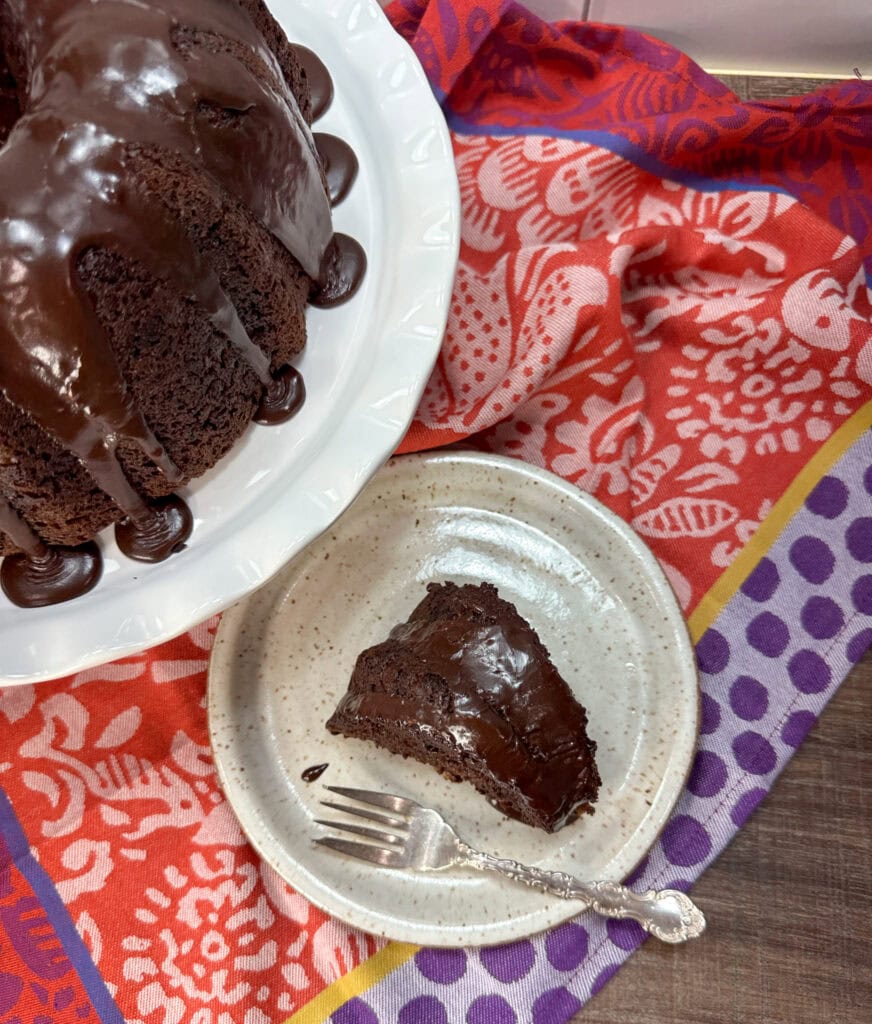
(789, 903)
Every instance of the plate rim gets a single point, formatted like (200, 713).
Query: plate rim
(40, 656)
(374, 922)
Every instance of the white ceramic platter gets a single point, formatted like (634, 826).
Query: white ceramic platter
(365, 368)
(601, 605)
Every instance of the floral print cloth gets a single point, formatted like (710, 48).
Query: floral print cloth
(661, 297)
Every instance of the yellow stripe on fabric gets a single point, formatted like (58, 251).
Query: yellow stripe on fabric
(714, 602)
(355, 983)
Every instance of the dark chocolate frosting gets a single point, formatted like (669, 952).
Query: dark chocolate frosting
(100, 82)
(501, 700)
(158, 535)
(44, 575)
(55, 575)
(340, 165)
(320, 82)
(282, 398)
(104, 78)
(344, 267)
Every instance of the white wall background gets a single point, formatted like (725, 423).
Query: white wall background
(802, 37)
(827, 37)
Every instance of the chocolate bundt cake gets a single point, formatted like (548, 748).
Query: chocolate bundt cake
(165, 216)
(466, 685)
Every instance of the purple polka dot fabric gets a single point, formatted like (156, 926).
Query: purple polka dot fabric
(566, 946)
(749, 698)
(511, 962)
(768, 665)
(492, 1009)
(442, 965)
(356, 1011)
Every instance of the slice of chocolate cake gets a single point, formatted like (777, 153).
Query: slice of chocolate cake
(467, 686)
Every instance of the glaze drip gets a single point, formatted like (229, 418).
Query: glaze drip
(320, 82)
(344, 267)
(161, 532)
(282, 398)
(340, 165)
(314, 772)
(57, 575)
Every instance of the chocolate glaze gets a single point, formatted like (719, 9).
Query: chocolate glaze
(315, 772)
(10, 110)
(100, 82)
(320, 82)
(161, 532)
(485, 686)
(58, 574)
(344, 267)
(17, 530)
(103, 79)
(282, 398)
(340, 165)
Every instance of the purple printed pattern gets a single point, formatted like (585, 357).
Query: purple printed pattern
(38, 984)
(494, 65)
(47, 975)
(768, 666)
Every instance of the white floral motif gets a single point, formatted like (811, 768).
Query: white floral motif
(686, 517)
(764, 394)
(833, 303)
(204, 941)
(739, 217)
(525, 438)
(646, 475)
(86, 926)
(203, 636)
(335, 950)
(604, 440)
(699, 286)
(93, 862)
(120, 778)
(16, 701)
(284, 901)
(703, 296)
(725, 551)
(213, 936)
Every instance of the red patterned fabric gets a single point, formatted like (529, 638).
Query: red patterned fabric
(38, 983)
(642, 305)
(679, 354)
(113, 779)
(498, 68)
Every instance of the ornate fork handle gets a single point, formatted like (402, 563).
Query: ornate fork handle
(667, 914)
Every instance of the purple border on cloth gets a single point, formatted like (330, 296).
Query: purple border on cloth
(13, 839)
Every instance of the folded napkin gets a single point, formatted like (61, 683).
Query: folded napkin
(661, 297)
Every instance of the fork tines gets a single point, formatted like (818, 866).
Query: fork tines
(364, 851)
(387, 801)
(390, 820)
(383, 854)
(361, 830)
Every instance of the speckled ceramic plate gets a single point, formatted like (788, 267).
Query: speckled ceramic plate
(599, 601)
(365, 367)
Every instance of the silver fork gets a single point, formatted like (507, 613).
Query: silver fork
(421, 839)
